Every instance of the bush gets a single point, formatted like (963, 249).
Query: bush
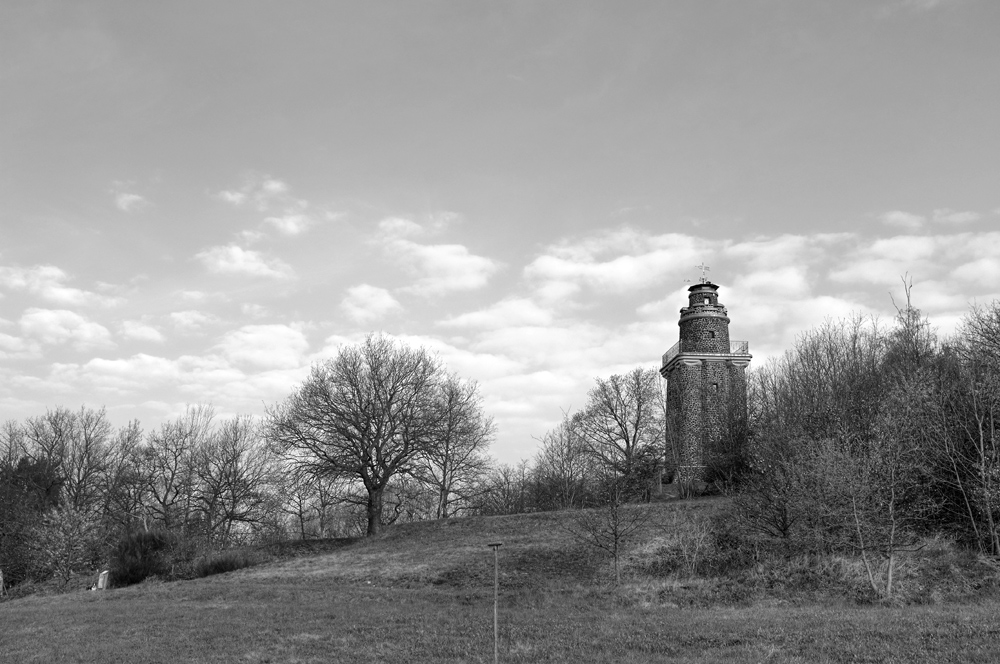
(140, 555)
(222, 562)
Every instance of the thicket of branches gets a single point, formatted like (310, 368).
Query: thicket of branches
(867, 437)
(614, 446)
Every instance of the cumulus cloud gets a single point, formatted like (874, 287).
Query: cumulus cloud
(12, 347)
(436, 268)
(265, 346)
(613, 261)
(191, 320)
(125, 198)
(946, 216)
(232, 197)
(232, 259)
(259, 191)
(442, 268)
(197, 379)
(397, 227)
(46, 281)
(902, 219)
(288, 215)
(365, 303)
(60, 326)
(127, 202)
(925, 256)
(194, 295)
(253, 310)
(509, 312)
(291, 223)
(139, 331)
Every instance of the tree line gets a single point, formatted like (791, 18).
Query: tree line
(863, 437)
(381, 432)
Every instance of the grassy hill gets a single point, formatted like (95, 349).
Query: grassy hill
(423, 592)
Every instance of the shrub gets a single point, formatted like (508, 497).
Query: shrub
(140, 555)
(222, 562)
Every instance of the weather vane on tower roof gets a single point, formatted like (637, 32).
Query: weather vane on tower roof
(704, 268)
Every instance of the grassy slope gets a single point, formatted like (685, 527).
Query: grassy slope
(423, 593)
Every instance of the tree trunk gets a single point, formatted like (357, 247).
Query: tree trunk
(374, 511)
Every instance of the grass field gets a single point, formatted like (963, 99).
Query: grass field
(423, 593)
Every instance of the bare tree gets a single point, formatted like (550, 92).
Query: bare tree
(611, 527)
(506, 490)
(563, 467)
(623, 427)
(85, 458)
(234, 470)
(971, 418)
(123, 485)
(311, 502)
(366, 414)
(457, 459)
(169, 469)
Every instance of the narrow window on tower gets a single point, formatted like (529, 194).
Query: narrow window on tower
(707, 301)
(715, 387)
(711, 334)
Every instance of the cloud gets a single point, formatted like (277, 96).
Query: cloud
(191, 320)
(232, 197)
(986, 269)
(288, 214)
(194, 295)
(902, 219)
(273, 187)
(442, 268)
(12, 347)
(612, 262)
(265, 346)
(509, 312)
(925, 256)
(127, 202)
(291, 223)
(231, 259)
(365, 303)
(197, 379)
(437, 268)
(253, 310)
(946, 216)
(46, 282)
(133, 329)
(251, 236)
(915, 6)
(260, 191)
(60, 326)
(397, 227)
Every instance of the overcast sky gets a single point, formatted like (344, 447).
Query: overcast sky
(200, 199)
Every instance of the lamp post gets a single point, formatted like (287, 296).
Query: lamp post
(496, 600)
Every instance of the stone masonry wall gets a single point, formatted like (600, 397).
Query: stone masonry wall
(700, 395)
(695, 337)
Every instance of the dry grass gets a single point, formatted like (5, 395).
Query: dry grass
(423, 593)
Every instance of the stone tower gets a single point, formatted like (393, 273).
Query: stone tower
(706, 384)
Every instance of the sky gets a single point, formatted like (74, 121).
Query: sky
(201, 199)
